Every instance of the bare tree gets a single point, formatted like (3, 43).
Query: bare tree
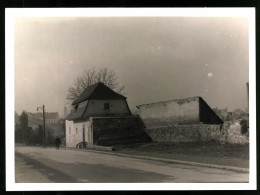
(90, 77)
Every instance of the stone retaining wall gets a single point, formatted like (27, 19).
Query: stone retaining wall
(226, 133)
(185, 133)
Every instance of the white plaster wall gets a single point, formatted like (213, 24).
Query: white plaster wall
(170, 111)
(96, 107)
(74, 137)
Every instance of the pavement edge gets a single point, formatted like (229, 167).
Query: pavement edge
(237, 169)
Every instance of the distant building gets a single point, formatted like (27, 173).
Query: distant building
(181, 111)
(51, 117)
(239, 114)
(36, 119)
(223, 114)
(100, 116)
(54, 126)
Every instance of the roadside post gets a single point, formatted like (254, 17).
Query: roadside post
(44, 133)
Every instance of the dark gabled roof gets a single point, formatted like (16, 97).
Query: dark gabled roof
(97, 91)
(78, 113)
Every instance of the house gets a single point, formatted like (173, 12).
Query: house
(52, 117)
(53, 125)
(192, 110)
(100, 116)
(99, 100)
(35, 119)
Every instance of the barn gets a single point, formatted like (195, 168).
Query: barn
(192, 110)
(100, 116)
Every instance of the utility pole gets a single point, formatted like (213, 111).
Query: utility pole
(44, 133)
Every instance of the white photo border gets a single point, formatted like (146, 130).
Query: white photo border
(12, 13)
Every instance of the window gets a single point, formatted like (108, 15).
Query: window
(75, 108)
(69, 131)
(76, 130)
(106, 106)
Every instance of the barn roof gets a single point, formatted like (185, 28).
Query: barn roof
(97, 91)
(189, 99)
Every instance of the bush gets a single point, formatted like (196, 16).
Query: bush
(244, 126)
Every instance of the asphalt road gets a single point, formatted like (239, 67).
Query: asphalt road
(39, 165)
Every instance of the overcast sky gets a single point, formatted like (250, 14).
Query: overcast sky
(156, 59)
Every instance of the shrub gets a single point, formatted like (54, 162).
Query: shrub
(243, 124)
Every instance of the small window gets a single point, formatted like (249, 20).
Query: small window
(69, 131)
(75, 108)
(76, 130)
(106, 106)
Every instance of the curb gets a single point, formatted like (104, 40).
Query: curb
(237, 169)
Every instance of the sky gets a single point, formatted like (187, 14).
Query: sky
(155, 58)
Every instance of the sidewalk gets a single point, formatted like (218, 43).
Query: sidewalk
(229, 163)
(233, 162)
(233, 157)
(209, 153)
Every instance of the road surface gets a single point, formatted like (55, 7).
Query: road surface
(39, 165)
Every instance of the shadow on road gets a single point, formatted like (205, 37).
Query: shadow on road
(49, 172)
(58, 172)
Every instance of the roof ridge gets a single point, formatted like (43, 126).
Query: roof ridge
(97, 83)
(93, 92)
(95, 87)
(168, 101)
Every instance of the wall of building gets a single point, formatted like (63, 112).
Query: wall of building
(51, 121)
(113, 131)
(116, 107)
(74, 132)
(170, 112)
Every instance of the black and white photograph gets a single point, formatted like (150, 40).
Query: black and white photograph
(156, 98)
